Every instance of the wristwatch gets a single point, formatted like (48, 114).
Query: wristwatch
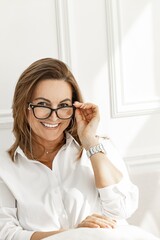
(95, 149)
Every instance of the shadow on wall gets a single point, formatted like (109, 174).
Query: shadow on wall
(145, 173)
(148, 214)
(146, 141)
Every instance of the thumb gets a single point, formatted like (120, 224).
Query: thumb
(78, 115)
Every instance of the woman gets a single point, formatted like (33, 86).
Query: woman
(58, 174)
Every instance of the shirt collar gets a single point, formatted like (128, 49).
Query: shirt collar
(20, 152)
(69, 140)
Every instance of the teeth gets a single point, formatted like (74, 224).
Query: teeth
(50, 125)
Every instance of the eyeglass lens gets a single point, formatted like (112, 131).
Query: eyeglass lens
(45, 112)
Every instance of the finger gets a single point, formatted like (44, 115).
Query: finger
(77, 104)
(88, 224)
(108, 222)
(79, 116)
(89, 114)
(105, 220)
(100, 222)
(85, 105)
(104, 217)
(89, 110)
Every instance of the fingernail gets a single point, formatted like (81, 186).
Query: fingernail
(107, 226)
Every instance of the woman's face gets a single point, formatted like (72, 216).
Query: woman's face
(54, 94)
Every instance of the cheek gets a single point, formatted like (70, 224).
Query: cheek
(66, 123)
(69, 124)
(32, 121)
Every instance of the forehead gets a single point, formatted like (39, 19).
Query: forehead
(53, 90)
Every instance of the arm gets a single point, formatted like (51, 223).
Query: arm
(87, 116)
(41, 235)
(105, 172)
(119, 197)
(10, 227)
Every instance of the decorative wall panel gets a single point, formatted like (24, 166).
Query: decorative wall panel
(133, 58)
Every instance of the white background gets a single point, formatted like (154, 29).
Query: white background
(113, 50)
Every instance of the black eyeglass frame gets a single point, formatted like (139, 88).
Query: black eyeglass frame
(33, 106)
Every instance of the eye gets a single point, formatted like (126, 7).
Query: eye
(63, 105)
(42, 103)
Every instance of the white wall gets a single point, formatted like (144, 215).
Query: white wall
(112, 48)
(28, 32)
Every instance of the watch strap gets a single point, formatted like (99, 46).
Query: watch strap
(95, 149)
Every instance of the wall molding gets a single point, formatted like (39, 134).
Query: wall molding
(147, 161)
(63, 31)
(119, 107)
(63, 44)
(63, 41)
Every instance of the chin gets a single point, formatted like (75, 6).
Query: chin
(52, 137)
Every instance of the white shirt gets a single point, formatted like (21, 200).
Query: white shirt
(35, 198)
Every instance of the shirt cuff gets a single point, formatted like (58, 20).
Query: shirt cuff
(110, 192)
(23, 234)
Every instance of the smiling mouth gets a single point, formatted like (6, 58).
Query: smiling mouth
(47, 125)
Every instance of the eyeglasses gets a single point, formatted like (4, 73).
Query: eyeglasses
(44, 112)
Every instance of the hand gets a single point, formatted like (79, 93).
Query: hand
(97, 221)
(87, 117)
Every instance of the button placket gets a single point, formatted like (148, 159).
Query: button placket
(57, 199)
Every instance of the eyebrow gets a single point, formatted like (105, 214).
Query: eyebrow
(42, 98)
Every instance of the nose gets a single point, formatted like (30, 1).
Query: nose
(53, 116)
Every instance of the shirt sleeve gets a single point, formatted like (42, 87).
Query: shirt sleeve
(119, 200)
(10, 228)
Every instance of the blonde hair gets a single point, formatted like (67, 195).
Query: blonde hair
(46, 68)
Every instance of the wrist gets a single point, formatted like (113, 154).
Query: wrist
(88, 143)
(98, 148)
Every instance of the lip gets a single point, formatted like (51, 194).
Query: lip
(50, 125)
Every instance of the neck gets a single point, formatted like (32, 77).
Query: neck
(46, 149)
